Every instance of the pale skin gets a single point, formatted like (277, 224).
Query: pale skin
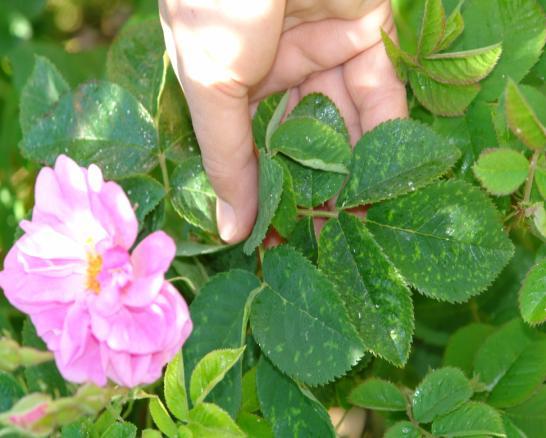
(230, 54)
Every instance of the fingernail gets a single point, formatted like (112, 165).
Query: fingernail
(227, 221)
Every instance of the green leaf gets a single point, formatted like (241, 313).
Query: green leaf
(174, 387)
(99, 123)
(440, 392)
(144, 192)
(512, 431)
(161, 418)
(501, 171)
(403, 429)
(378, 395)
(210, 370)
(269, 197)
(454, 28)
(209, 421)
(192, 195)
(304, 239)
(397, 157)
(320, 107)
(517, 24)
(300, 322)
(285, 217)
(432, 27)
(312, 144)
(250, 396)
(10, 391)
(442, 99)
(500, 350)
(135, 61)
(522, 118)
(446, 240)
(462, 68)
(530, 416)
(399, 59)
(275, 120)
(263, 116)
(254, 426)
(523, 377)
(151, 433)
(379, 304)
(191, 248)
(43, 89)
(540, 176)
(290, 410)
(473, 418)
(219, 321)
(312, 187)
(532, 295)
(120, 430)
(464, 344)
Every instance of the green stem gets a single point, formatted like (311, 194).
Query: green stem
(317, 213)
(530, 178)
(164, 172)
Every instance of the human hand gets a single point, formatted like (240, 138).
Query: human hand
(230, 54)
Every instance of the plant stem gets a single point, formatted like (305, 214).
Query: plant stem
(164, 172)
(317, 213)
(530, 177)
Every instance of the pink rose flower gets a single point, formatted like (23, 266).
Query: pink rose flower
(103, 312)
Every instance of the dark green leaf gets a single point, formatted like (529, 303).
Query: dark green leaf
(209, 421)
(285, 217)
(304, 239)
(312, 144)
(473, 418)
(269, 194)
(135, 61)
(378, 395)
(264, 113)
(397, 157)
(300, 322)
(43, 89)
(250, 396)
(99, 123)
(254, 426)
(530, 416)
(120, 430)
(432, 27)
(403, 429)
(144, 192)
(192, 195)
(290, 410)
(447, 240)
(441, 391)
(532, 296)
(512, 431)
(378, 302)
(10, 391)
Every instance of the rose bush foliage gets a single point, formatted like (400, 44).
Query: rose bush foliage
(427, 310)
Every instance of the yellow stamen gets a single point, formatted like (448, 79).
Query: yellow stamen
(94, 268)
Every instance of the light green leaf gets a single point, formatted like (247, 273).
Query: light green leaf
(275, 120)
(501, 171)
(250, 396)
(532, 295)
(312, 187)
(442, 99)
(403, 429)
(432, 27)
(43, 89)
(210, 370)
(144, 192)
(192, 195)
(210, 421)
(446, 240)
(290, 411)
(399, 59)
(512, 431)
(191, 248)
(262, 118)
(473, 418)
(304, 239)
(500, 351)
(537, 213)
(146, 433)
(120, 430)
(454, 28)
(464, 344)
(320, 107)
(254, 426)
(300, 322)
(462, 68)
(521, 380)
(396, 157)
(161, 418)
(218, 315)
(312, 144)
(286, 215)
(440, 392)
(378, 303)
(530, 416)
(99, 123)
(269, 197)
(378, 395)
(522, 118)
(135, 61)
(174, 387)
(191, 271)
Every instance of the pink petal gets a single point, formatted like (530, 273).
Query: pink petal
(49, 324)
